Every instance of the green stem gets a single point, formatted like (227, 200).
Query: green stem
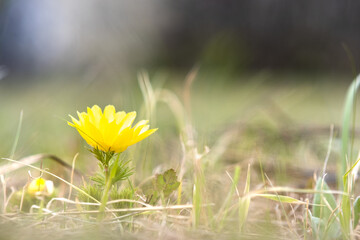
(105, 195)
(109, 175)
(41, 209)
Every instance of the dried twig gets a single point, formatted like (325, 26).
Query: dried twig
(34, 159)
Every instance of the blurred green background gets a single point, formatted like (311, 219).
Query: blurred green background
(279, 65)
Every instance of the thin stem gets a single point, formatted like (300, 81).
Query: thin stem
(131, 204)
(109, 175)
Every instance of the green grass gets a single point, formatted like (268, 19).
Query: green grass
(244, 151)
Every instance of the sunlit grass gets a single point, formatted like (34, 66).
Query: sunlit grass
(245, 154)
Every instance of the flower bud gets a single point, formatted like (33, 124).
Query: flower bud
(40, 186)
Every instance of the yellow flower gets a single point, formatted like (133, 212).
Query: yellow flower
(110, 130)
(40, 186)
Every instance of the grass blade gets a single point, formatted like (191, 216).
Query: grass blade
(244, 202)
(356, 211)
(280, 198)
(346, 124)
(319, 209)
(13, 149)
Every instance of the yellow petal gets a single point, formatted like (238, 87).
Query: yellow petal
(140, 129)
(128, 120)
(123, 140)
(144, 129)
(71, 124)
(140, 123)
(143, 135)
(94, 134)
(82, 117)
(119, 116)
(110, 132)
(96, 110)
(109, 113)
(94, 115)
(75, 121)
